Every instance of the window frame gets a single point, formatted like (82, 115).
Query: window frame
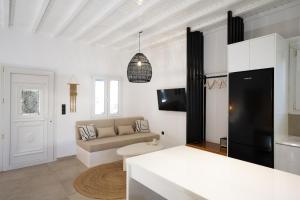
(106, 80)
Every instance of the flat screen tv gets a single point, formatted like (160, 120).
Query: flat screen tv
(172, 99)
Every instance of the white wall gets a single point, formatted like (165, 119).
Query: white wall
(169, 66)
(215, 62)
(169, 71)
(64, 58)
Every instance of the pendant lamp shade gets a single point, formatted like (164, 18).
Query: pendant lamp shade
(139, 68)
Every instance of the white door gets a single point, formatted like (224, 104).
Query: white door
(30, 137)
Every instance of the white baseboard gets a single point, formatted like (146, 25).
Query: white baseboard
(91, 159)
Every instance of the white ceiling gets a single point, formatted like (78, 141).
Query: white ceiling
(116, 23)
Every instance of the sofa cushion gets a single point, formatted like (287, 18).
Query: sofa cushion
(126, 121)
(100, 144)
(125, 130)
(87, 132)
(142, 126)
(96, 123)
(106, 132)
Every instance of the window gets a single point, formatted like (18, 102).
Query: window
(114, 97)
(99, 97)
(106, 98)
(30, 101)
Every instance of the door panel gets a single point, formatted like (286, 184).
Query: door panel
(251, 107)
(29, 118)
(238, 56)
(251, 115)
(263, 52)
(287, 158)
(28, 138)
(252, 154)
(297, 80)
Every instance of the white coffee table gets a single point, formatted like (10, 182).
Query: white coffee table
(137, 149)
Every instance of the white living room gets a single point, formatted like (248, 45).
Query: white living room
(149, 99)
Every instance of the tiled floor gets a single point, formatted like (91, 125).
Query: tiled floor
(53, 181)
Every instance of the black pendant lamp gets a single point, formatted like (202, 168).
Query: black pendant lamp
(139, 68)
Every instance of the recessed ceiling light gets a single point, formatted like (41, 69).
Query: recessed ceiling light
(139, 2)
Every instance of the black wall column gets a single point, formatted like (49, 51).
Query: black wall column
(195, 115)
(235, 28)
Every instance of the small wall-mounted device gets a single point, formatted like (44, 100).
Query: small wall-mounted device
(63, 109)
(162, 132)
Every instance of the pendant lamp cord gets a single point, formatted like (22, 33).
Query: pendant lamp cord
(140, 41)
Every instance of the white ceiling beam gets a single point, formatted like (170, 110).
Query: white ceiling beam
(185, 5)
(6, 7)
(221, 19)
(73, 14)
(114, 5)
(219, 6)
(40, 14)
(181, 33)
(147, 5)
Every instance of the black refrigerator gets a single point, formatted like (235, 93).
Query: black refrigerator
(251, 111)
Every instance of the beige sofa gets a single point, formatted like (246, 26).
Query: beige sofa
(103, 150)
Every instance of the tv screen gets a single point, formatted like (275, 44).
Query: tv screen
(172, 99)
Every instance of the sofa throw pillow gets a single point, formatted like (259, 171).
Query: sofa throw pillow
(87, 132)
(125, 130)
(106, 132)
(142, 126)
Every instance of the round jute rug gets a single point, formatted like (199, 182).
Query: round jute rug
(105, 182)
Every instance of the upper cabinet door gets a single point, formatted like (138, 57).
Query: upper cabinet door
(297, 81)
(263, 52)
(238, 56)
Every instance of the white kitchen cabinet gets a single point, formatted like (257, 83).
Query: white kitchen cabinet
(297, 82)
(238, 56)
(263, 52)
(287, 158)
(258, 53)
(269, 51)
(294, 78)
(297, 86)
